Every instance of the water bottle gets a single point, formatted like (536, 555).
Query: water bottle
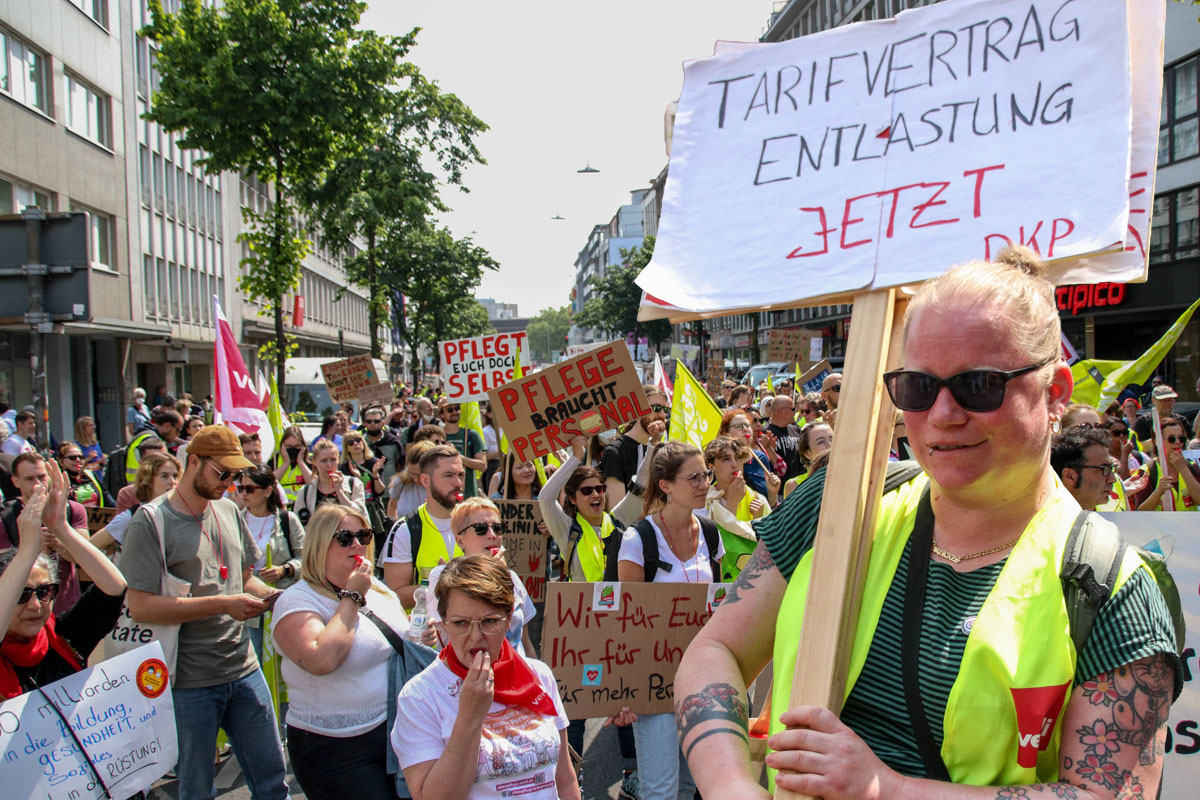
(418, 620)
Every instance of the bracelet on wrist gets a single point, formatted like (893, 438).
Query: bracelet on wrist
(355, 597)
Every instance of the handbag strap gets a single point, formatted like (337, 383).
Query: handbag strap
(910, 637)
(393, 638)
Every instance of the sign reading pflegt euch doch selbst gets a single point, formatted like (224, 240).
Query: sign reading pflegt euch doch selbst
(470, 367)
(592, 392)
(120, 711)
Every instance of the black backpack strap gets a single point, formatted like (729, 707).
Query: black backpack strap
(650, 562)
(413, 521)
(612, 549)
(573, 537)
(1091, 562)
(285, 522)
(900, 473)
(910, 639)
(712, 539)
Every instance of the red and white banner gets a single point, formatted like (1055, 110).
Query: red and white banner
(1069, 353)
(237, 397)
(660, 378)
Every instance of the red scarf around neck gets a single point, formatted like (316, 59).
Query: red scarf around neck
(30, 654)
(516, 682)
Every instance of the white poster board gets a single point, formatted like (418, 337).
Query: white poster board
(1181, 771)
(470, 367)
(842, 153)
(121, 712)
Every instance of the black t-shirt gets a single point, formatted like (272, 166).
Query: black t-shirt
(787, 447)
(621, 458)
(83, 626)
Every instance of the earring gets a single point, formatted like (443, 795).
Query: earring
(1055, 425)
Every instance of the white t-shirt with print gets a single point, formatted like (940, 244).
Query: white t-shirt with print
(519, 748)
(398, 547)
(696, 569)
(353, 698)
(523, 609)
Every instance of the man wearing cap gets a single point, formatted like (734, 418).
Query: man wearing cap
(1164, 397)
(216, 680)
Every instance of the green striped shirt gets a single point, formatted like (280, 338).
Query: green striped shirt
(1134, 624)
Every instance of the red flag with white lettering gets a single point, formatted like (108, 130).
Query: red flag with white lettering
(236, 398)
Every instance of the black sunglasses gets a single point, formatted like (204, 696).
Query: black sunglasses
(46, 593)
(1176, 439)
(659, 409)
(72, 458)
(345, 538)
(1105, 469)
(224, 475)
(482, 528)
(976, 390)
(1122, 432)
(588, 491)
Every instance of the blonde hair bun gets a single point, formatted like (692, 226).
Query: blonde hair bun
(1024, 259)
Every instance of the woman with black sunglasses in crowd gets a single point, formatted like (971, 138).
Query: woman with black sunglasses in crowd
(962, 631)
(277, 532)
(335, 660)
(1168, 482)
(40, 647)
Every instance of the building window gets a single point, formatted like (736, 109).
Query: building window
(1179, 121)
(96, 9)
(1175, 231)
(24, 75)
(100, 242)
(15, 197)
(89, 112)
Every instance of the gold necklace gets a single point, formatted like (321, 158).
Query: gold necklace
(953, 559)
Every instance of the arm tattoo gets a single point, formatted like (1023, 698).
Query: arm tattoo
(1061, 790)
(717, 701)
(760, 561)
(1139, 695)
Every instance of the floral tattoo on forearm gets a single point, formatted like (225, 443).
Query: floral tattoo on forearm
(1139, 697)
(717, 701)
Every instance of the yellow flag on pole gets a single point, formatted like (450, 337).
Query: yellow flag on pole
(1139, 370)
(695, 418)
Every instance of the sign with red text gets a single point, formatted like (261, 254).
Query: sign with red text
(346, 379)
(825, 162)
(613, 645)
(524, 544)
(108, 731)
(582, 396)
(472, 367)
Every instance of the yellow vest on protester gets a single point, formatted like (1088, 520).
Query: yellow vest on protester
(132, 459)
(591, 547)
(433, 547)
(1001, 725)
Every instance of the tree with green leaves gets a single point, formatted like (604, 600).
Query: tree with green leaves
(388, 183)
(547, 332)
(439, 274)
(279, 89)
(614, 307)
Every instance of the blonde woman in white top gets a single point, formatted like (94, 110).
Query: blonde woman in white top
(336, 660)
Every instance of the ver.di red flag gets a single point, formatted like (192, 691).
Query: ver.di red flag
(237, 397)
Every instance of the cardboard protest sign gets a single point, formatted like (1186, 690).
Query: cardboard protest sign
(695, 418)
(470, 367)
(97, 518)
(842, 151)
(524, 544)
(791, 345)
(715, 370)
(581, 396)
(1181, 770)
(380, 394)
(345, 379)
(123, 716)
(811, 380)
(619, 644)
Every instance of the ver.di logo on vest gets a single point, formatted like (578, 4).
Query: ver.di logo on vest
(1038, 709)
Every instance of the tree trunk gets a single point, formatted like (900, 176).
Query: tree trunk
(279, 224)
(375, 300)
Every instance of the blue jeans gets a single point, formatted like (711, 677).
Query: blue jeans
(243, 709)
(662, 772)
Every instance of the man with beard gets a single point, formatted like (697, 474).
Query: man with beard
(783, 427)
(424, 539)
(623, 455)
(217, 680)
(468, 442)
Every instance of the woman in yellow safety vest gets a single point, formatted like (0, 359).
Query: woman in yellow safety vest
(292, 470)
(1179, 488)
(962, 671)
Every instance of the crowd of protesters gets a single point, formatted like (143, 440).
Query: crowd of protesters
(380, 537)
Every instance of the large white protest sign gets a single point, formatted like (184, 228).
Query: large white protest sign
(470, 367)
(1181, 770)
(826, 162)
(119, 712)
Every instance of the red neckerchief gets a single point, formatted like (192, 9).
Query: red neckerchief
(30, 654)
(516, 682)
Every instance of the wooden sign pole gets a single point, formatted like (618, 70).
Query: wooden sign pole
(853, 488)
